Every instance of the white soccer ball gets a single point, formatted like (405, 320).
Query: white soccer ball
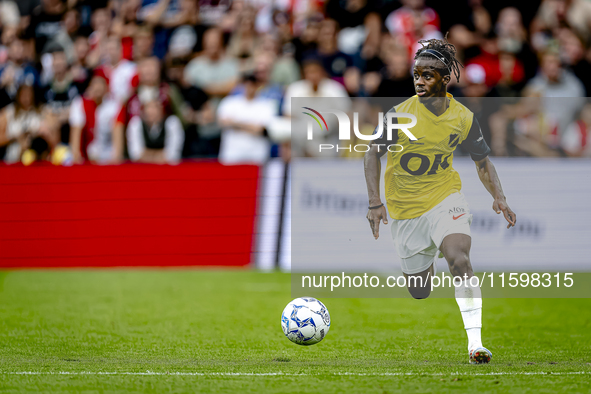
(305, 321)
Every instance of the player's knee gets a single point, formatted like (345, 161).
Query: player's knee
(419, 293)
(459, 264)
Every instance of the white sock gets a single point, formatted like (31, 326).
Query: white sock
(474, 340)
(469, 299)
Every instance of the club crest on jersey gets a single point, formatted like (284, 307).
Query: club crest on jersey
(454, 139)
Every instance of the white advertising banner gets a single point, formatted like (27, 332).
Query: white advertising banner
(551, 197)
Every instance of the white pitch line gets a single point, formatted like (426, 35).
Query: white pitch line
(150, 373)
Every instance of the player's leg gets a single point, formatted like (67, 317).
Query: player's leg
(418, 271)
(451, 231)
(456, 250)
(417, 253)
(419, 284)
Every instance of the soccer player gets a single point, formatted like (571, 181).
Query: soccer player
(423, 196)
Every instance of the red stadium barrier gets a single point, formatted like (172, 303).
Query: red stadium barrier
(130, 215)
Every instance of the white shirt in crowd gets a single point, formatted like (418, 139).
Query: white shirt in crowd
(173, 141)
(330, 94)
(120, 80)
(202, 71)
(576, 140)
(561, 100)
(238, 146)
(304, 88)
(17, 125)
(101, 147)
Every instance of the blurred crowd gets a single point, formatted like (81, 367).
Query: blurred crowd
(158, 81)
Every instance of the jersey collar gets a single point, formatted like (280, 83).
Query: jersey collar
(443, 116)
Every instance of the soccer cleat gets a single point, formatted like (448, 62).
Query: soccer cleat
(480, 355)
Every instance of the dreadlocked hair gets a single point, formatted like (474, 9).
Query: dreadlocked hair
(447, 50)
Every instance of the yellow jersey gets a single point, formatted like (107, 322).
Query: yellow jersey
(422, 175)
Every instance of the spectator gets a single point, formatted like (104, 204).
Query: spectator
(263, 66)
(341, 48)
(7, 35)
(83, 118)
(480, 17)
(338, 65)
(120, 72)
(475, 86)
(524, 129)
(213, 13)
(195, 112)
(314, 84)
(19, 123)
(9, 13)
(396, 80)
(510, 29)
(213, 71)
(150, 87)
(563, 93)
(125, 23)
(360, 26)
(489, 59)
(154, 137)
(80, 69)
(368, 115)
(61, 91)
(481, 100)
(26, 8)
(512, 39)
(555, 13)
(39, 149)
(284, 69)
(576, 56)
(62, 38)
(46, 22)
(244, 118)
(44, 144)
(9, 28)
(465, 24)
(412, 22)
(245, 39)
(229, 18)
(143, 44)
(162, 15)
(576, 141)
(512, 78)
(99, 38)
(72, 23)
(307, 42)
(17, 70)
(187, 37)
(534, 131)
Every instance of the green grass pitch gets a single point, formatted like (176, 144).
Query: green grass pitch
(161, 331)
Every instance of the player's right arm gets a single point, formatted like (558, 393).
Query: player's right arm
(373, 169)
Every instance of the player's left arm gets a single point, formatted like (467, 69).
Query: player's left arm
(479, 151)
(490, 179)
